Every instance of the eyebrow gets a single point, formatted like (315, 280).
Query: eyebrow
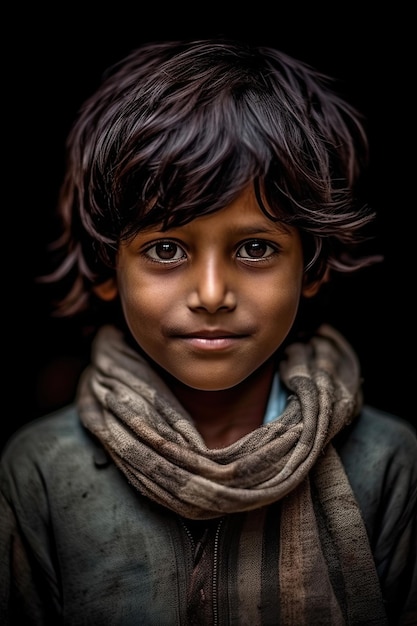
(253, 229)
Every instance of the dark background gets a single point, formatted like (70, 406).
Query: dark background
(54, 62)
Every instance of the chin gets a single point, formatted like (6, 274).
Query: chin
(214, 384)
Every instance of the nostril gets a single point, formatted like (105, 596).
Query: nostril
(200, 300)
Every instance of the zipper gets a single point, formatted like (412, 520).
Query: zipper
(216, 573)
(197, 548)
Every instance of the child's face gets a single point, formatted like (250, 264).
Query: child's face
(211, 301)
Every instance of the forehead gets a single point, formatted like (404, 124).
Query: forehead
(243, 217)
(243, 214)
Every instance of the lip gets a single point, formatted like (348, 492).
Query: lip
(212, 343)
(212, 333)
(212, 339)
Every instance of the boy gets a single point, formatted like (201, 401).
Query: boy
(219, 465)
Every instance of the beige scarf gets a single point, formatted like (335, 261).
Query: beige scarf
(151, 438)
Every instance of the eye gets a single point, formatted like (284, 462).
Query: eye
(165, 252)
(256, 249)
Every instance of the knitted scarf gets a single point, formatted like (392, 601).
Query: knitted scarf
(154, 442)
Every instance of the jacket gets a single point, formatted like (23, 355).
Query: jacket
(80, 546)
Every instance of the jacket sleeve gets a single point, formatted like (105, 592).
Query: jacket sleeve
(28, 587)
(380, 456)
(396, 545)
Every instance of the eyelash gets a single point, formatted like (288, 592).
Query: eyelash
(273, 250)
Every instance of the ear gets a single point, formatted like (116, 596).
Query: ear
(107, 291)
(311, 288)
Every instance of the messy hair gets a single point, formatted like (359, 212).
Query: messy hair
(178, 129)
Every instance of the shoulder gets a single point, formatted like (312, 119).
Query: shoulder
(47, 450)
(378, 446)
(381, 435)
(379, 453)
(46, 437)
(53, 465)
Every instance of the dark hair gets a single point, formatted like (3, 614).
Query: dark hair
(178, 129)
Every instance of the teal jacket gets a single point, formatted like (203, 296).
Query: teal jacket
(80, 546)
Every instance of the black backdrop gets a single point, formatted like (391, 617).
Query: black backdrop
(53, 62)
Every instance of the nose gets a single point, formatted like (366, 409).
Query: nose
(212, 288)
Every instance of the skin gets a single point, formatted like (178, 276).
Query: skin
(209, 303)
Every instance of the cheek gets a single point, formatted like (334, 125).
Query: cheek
(278, 306)
(285, 309)
(284, 294)
(143, 305)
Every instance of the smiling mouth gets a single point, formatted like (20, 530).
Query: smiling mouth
(212, 340)
(212, 334)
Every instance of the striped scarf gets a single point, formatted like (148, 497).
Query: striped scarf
(154, 442)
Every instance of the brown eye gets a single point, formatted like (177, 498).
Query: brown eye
(256, 249)
(165, 252)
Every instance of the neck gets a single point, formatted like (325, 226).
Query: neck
(223, 417)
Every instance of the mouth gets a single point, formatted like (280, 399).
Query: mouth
(213, 339)
(212, 334)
